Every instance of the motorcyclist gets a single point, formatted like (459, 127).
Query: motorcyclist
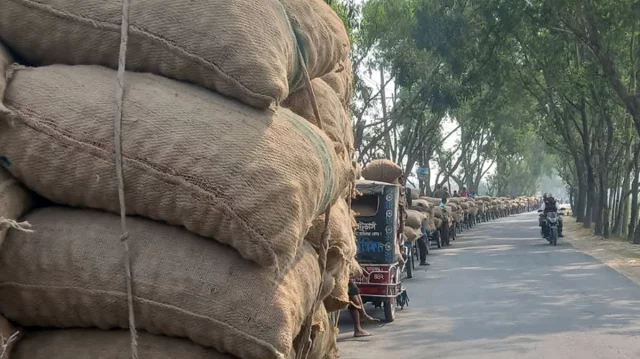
(549, 205)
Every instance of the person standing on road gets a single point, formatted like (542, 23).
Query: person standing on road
(463, 192)
(357, 311)
(444, 229)
(423, 245)
(455, 194)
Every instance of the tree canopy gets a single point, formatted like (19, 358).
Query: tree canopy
(532, 87)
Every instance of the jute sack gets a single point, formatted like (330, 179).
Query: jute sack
(325, 335)
(106, 344)
(339, 297)
(246, 49)
(382, 171)
(430, 223)
(432, 200)
(189, 156)
(341, 81)
(414, 219)
(70, 273)
(335, 121)
(5, 62)
(421, 203)
(412, 234)
(15, 201)
(342, 240)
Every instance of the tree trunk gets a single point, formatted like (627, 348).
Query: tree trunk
(606, 216)
(626, 210)
(581, 200)
(633, 223)
(622, 222)
(591, 187)
(598, 209)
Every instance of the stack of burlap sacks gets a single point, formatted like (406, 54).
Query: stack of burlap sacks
(228, 175)
(420, 214)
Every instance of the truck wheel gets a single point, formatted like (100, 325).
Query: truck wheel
(389, 310)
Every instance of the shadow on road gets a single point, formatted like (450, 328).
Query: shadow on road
(500, 282)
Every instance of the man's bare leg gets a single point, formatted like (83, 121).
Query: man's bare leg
(358, 332)
(356, 301)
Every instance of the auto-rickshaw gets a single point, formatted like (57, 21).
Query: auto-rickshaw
(380, 215)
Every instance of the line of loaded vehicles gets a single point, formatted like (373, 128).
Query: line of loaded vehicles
(392, 219)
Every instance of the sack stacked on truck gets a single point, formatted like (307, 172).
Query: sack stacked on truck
(246, 179)
(189, 157)
(247, 49)
(413, 225)
(382, 170)
(15, 200)
(114, 344)
(69, 274)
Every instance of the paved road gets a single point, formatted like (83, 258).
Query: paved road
(500, 292)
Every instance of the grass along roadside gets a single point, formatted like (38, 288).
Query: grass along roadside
(618, 254)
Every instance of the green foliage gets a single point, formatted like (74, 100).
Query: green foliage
(537, 87)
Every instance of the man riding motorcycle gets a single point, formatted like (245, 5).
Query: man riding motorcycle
(549, 205)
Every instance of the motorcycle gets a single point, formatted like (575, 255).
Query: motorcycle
(550, 221)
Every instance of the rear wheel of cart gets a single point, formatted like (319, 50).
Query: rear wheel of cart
(389, 310)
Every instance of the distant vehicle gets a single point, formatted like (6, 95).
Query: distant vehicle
(565, 210)
(380, 229)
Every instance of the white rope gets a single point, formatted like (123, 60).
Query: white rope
(5, 343)
(124, 34)
(10, 223)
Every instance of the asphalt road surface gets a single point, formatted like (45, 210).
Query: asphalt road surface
(501, 292)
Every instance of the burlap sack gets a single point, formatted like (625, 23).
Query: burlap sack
(15, 201)
(432, 200)
(437, 212)
(189, 157)
(9, 336)
(412, 234)
(103, 344)
(414, 219)
(247, 49)
(70, 273)
(382, 171)
(325, 335)
(430, 223)
(5, 62)
(341, 81)
(339, 297)
(421, 203)
(342, 241)
(335, 121)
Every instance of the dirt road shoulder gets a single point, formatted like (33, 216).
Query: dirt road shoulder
(618, 254)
